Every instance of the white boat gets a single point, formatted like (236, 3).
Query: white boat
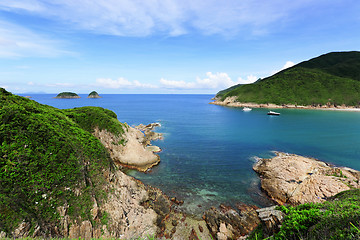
(273, 113)
(246, 109)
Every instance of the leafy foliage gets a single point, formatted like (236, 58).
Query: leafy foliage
(333, 78)
(46, 156)
(338, 218)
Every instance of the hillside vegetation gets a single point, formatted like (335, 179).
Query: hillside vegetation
(48, 158)
(332, 79)
(338, 218)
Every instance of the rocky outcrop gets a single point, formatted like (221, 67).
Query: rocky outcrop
(293, 179)
(271, 219)
(228, 223)
(130, 150)
(94, 94)
(150, 135)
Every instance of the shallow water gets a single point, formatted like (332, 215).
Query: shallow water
(208, 150)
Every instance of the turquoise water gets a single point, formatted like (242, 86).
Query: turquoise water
(208, 150)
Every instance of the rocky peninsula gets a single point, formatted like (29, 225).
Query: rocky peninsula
(67, 95)
(232, 102)
(292, 179)
(134, 149)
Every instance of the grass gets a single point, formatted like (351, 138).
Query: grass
(46, 156)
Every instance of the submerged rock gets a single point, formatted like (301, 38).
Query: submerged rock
(289, 178)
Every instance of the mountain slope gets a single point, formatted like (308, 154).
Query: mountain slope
(332, 79)
(49, 159)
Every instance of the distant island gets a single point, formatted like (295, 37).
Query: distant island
(331, 80)
(67, 95)
(93, 94)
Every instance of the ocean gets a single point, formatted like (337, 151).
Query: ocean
(209, 150)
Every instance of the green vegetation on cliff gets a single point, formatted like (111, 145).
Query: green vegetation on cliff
(47, 157)
(333, 78)
(338, 218)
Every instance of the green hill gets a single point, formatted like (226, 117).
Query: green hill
(47, 157)
(333, 78)
(67, 95)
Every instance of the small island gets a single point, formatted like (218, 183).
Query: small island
(93, 94)
(67, 95)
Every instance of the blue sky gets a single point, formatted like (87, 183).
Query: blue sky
(164, 46)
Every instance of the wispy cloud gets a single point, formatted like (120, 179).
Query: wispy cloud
(17, 41)
(211, 81)
(121, 83)
(168, 17)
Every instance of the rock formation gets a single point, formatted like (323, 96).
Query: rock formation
(228, 223)
(130, 149)
(93, 94)
(293, 179)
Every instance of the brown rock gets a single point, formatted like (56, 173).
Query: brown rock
(228, 223)
(289, 178)
(86, 230)
(271, 218)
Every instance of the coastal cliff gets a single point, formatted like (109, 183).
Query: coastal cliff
(58, 179)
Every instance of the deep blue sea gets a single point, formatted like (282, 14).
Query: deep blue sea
(209, 150)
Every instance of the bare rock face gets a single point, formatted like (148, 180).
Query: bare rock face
(293, 179)
(128, 150)
(228, 223)
(271, 218)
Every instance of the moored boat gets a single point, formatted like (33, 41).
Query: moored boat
(246, 109)
(273, 113)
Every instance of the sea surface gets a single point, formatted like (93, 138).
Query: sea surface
(209, 150)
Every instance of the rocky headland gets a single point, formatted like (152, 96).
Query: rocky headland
(232, 102)
(133, 149)
(293, 179)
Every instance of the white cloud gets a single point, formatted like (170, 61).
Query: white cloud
(288, 64)
(212, 81)
(121, 83)
(17, 41)
(171, 17)
(59, 85)
(247, 80)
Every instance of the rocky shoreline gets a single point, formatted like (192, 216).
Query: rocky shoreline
(231, 102)
(136, 210)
